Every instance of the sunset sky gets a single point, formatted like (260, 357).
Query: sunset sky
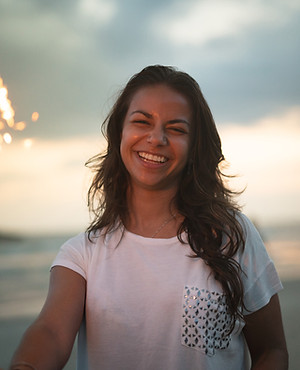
(67, 60)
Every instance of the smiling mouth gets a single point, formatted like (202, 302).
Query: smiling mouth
(147, 157)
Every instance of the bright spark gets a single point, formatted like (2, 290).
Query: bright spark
(20, 126)
(28, 143)
(7, 118)
(34, 116)
(6, 110)
(7, 138)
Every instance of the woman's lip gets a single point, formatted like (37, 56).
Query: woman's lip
(152, 158)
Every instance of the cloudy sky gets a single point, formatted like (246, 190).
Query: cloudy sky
(68, 59)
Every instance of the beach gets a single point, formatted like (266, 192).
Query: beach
(24, 272)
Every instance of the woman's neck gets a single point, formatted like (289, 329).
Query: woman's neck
(152, 213)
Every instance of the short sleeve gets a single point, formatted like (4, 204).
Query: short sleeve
(72, 255)
(260, 278)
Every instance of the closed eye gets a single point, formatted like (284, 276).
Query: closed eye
(142, 122)
(178, 130)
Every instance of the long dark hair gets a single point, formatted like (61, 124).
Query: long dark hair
(214, 233)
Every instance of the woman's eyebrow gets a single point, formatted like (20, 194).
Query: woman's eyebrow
(179, 120)
(172, 121)
(148, 115)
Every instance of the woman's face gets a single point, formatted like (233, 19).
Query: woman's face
(155, 137)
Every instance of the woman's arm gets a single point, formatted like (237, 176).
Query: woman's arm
(265, 337)
(48, 342)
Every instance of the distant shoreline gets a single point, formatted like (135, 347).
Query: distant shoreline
(6, 237)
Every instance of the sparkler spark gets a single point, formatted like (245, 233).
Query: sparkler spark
(28, 143)
(7, 118)
(34, 116)
(7, 138)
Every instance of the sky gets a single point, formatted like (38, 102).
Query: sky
(67, 60)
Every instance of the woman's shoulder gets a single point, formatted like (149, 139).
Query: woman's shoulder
(249, 227)
(90, 239)
(84, 239)
(254, 247)
(79, 248)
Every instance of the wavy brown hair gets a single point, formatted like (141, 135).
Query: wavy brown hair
(214, 233)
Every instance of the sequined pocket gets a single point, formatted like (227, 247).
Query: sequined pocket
(205, 320)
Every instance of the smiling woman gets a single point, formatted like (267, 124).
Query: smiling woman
(169, 274)
(155, 138)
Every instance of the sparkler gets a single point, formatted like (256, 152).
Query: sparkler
(7, 119)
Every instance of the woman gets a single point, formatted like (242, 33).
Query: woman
(169, 275)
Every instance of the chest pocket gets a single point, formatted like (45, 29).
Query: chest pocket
(205, 320)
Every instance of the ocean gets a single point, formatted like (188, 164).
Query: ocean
(24, 274)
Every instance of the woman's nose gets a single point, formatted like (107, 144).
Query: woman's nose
(157, 136)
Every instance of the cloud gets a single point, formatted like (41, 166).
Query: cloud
(207, 20)
(53, 61)
(100, 11)
(65, 59)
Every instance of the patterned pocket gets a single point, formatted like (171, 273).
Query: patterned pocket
(205, 320)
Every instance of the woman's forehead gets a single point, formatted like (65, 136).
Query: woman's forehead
(159, 97)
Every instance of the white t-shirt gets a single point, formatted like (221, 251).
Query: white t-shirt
(149, 306)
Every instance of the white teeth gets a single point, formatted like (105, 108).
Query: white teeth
(152, 157)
